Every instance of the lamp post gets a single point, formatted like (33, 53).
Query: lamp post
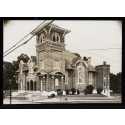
(10, 80)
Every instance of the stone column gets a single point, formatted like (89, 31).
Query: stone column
(33, 87)
(29, 86)
(52, 84)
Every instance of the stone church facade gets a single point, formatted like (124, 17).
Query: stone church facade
(54, 67)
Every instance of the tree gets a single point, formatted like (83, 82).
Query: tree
(9, 70)
(77, 54)
(23, 57)
(115, 82)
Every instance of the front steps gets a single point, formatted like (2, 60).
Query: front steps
(27, 95)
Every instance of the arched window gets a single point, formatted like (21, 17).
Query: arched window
(81, 73)
(56, 37)
(56, 82)
(56, 63)
(90, 77)
(42, 38)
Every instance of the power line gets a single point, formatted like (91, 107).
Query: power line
(28, 40)
(24, 37)
(97, 49)
(54, 56)
(94, 54)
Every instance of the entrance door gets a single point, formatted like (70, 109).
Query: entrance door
(27, 85)
(35, 86)
(31, 83)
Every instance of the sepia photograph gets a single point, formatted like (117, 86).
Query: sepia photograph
(62, 61)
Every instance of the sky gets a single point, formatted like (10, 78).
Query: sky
(84, 36)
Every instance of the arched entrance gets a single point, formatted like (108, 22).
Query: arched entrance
(90, 88)
(31, 84)
(35, 86)
(27, 85)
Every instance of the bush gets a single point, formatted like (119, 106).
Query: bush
(67, 91)
(99, 90)
(52, 95)
(86, 91)
(90, 88)
(73, 90)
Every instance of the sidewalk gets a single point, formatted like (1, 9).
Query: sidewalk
(70, 99)
(7, 101)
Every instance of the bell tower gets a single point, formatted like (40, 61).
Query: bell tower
(50, 47)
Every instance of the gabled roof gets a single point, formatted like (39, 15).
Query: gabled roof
(91, 68)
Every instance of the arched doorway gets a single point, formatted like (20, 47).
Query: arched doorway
(90, 88)
(35, 86)
(31, 84)
(27, 85)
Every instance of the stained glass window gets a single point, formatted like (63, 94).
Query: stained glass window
(81, 73)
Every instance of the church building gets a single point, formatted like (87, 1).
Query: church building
(55, 68)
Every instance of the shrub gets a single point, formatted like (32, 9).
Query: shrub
(86, 91)
(73, 90)
(90, 88)
(52, 95)
(99, 90)
(67, 91)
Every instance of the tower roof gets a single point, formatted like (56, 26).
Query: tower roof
(52, 26)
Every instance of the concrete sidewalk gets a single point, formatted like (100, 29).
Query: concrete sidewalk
(7, 101)
(70, 99)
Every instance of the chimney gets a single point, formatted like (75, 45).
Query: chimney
(104, 62)
(89, 60)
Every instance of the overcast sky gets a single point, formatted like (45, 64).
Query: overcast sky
(84, 35)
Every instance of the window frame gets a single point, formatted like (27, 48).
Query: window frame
(56, 82)
(41, 37)
(82, 71)
(56, 64)
(56, 36)
(41, 64)
(90, 77)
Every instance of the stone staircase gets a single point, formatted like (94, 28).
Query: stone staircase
(27, 95)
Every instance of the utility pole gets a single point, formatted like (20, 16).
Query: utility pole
(10, 80)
